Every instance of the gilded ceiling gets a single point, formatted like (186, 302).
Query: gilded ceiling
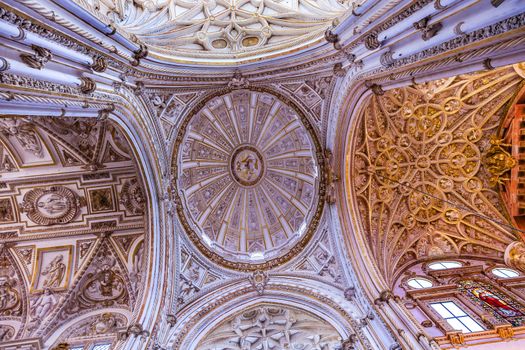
(248, 176)
(421, 170)
(225, 31)
(72, 227)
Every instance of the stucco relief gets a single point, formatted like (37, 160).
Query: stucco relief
(272, 327)
(421, 188)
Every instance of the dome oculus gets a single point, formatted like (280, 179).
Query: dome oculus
(248, 179)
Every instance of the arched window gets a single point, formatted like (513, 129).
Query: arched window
(503, 272)
(419, 283)
(456, 317)
(443, 265)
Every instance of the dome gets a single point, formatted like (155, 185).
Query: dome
(248, 178)
(224, 31)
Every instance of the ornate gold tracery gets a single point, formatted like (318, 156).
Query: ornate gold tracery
(419, 182)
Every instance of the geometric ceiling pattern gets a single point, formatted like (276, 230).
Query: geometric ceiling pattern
(228, 30)
(271, 327)
(248, 176)
(72, 228)
(419, 170)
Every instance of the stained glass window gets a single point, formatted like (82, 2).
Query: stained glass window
(490, 299)
(455, 317)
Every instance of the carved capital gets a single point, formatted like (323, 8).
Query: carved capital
(515, 255)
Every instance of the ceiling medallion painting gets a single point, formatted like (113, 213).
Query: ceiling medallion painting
(223, 30)
(249, 179)
(419, 172)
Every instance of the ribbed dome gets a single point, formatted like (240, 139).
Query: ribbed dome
(249, 176)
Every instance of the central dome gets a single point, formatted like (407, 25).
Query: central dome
(249, 178)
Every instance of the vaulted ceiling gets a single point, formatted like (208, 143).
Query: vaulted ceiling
(73, 229)
(421, 182)
(220, 31)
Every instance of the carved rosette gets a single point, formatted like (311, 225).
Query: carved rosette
(56, 205)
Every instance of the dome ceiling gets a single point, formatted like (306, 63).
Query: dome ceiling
(248, 178)
(224, 31)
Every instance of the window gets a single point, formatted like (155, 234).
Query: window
(101, 347)
(505, 273)
(419, 283)
(443, 265)
(456, 317)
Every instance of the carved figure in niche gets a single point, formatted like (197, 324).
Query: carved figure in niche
(193, 271)
(6, 333)
(500, 306)
(9, 297)
(43, 305)
(23, 132)
(6, 210)
(331, 177)
(55, 272)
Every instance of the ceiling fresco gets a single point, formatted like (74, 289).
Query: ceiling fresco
(248, 176)
(225, 31)
(72, 229)
(421, 170)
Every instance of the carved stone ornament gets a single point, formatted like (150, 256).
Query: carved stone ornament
(105, 286)
(132, 197)
(24, 132)
(515, 255)
(277, 326)
(427, 30)
(100, 64)
(39, 59)
(259, 280)
(10, 301)
(87, 85)
(61, 346)
(372, 42)
(238, 81)
(498, 161)
(56, 205)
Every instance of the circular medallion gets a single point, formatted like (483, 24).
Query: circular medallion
(56, 205)
(249, 177)
(247, 165)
